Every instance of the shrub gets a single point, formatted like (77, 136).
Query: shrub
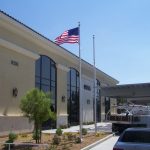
(56, 139)
(59, 131)
(12, 137)
(84, 131)
(77, 140)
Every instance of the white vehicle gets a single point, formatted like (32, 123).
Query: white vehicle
(134, 138)
(125, 116)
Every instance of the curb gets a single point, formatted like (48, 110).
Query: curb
(98, 142)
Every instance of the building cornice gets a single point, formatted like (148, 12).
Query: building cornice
(18, 49)
(62, 67)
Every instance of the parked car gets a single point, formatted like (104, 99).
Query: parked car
(134, 139)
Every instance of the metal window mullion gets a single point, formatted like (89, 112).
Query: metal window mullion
(70, 97)
(41, 72)
(55, 88)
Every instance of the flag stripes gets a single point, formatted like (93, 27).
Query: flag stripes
(69, 36)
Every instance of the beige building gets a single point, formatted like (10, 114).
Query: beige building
(28, 60)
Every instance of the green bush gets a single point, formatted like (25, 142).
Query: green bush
(59, 131)
(11, 138)
(84, 131)
(56, 139)
(77, 140)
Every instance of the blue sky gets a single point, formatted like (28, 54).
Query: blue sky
(121, 29)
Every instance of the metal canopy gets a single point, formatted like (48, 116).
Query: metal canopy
(127, 90)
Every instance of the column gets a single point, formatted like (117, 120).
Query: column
(62, 116)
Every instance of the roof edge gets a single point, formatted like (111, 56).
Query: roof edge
(54, 44)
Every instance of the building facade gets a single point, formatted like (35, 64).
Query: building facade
(29, 60)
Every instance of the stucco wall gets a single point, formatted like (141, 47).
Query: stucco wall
(14, 124)
(19, 76)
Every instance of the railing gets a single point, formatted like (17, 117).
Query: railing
(122, 118)
(25, 144)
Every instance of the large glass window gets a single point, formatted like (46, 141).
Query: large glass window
(73, 96)
(45, 79)
(98, 101)
(107, 106)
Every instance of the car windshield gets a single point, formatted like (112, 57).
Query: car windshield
(136, 136)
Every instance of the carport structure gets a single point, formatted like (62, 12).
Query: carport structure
(139, 93)
(134, 93)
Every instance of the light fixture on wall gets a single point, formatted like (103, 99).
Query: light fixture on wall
(15, 92)
(88, 101)
(63, 98)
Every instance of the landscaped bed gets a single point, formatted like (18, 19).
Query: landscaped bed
(68, 141)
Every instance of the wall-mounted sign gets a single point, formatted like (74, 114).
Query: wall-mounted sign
(15, 63)
(87, 87)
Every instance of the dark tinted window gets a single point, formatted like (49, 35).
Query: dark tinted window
(37, 67)
(45, 67)
(45, 76)
(98, 101)
(73, 96)
(136, 136)
(45, 79)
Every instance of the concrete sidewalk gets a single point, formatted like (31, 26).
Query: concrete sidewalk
(107, 144)
(105, 127)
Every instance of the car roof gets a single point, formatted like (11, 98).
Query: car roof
(138, 129)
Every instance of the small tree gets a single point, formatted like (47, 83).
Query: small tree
(36, 106)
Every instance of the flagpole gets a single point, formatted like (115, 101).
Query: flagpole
(94, 68)
(80, 85)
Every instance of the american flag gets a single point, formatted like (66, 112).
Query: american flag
(69, 36)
